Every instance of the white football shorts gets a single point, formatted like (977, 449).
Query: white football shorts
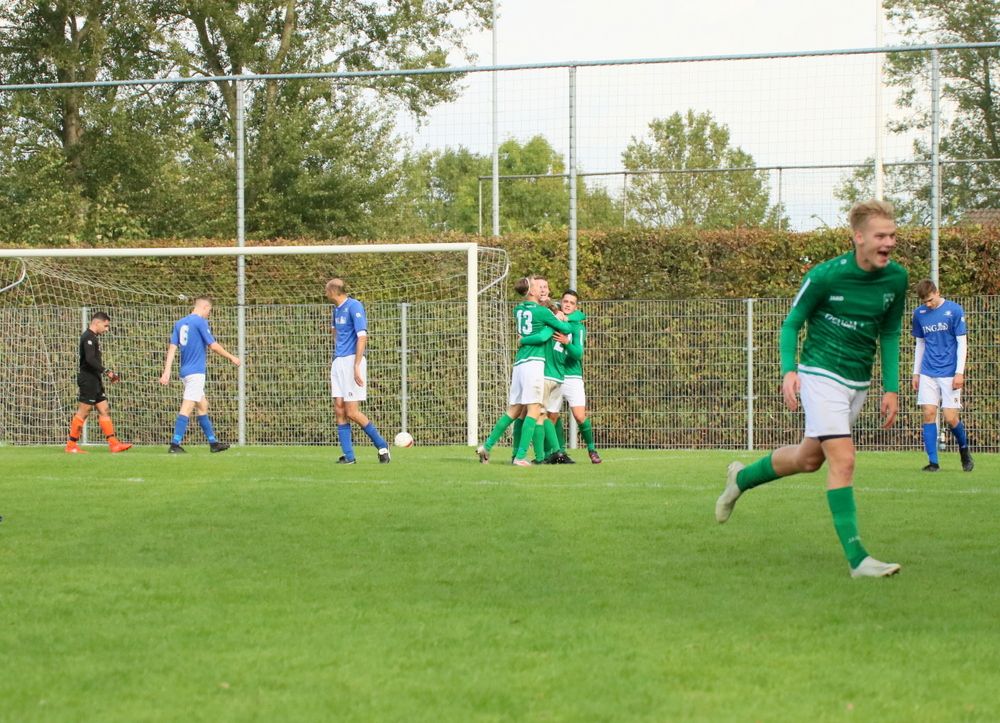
(194, 387)
(573, 393)
(527, 383)
(938, 392)
(553, 395)
(831, 408)
(342, 383)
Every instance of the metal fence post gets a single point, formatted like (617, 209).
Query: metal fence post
(241, 271)
(403, 381)
(84, 325)
(750, 421)
(572, 212)
(935, 163)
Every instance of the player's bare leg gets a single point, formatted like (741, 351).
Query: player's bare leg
(534, 413)
(76, 429)
(929, 432)
(841, 455)
(583, 424)
(514, 412)
(352, 411)
(806, 456)
(958, 431)
(115, 445)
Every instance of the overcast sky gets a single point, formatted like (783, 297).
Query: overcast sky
(782, 112)
(551, 30)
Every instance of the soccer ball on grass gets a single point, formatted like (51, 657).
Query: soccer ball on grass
(403, 439)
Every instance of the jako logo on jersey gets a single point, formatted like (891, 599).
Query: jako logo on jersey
(942, 326)
(836, 298)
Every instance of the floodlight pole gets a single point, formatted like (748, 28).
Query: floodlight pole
(241, 300)
(496, 134)
(572, 212)
(935, 165)
(879, 112)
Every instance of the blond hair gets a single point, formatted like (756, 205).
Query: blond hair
(864, 210)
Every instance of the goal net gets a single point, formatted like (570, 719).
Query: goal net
(439, 344)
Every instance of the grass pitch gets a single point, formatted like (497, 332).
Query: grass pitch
(271, 584)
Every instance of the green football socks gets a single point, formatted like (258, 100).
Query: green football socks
(845, 522)
(539, 441)
(560, 434)
(527, 437)
(518, 426)
(756, 474)
(588, 434)
(552, 444)
(498, 429)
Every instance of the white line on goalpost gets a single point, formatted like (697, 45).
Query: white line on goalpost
(471, 300)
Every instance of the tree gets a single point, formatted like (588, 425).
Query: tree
(440, 191)
(970, 98)
(710, 200)
(320, 153)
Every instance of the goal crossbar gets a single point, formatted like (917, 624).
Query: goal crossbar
(472, 294)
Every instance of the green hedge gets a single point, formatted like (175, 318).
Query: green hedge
(691, 263)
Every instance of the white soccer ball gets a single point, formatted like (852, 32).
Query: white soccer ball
(403, 439)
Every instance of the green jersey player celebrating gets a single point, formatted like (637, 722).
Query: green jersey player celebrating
(572, 389)
(527, 382)
(849, 303)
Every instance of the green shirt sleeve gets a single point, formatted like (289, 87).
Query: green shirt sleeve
(548, 318)
(574, 350)
(539, 337)
(809, 296)
(888, 341)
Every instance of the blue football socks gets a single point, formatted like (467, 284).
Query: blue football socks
(960, 436)
(346, 443)
(374, 436)
(931, 442)
(206, 427)
(180, 427)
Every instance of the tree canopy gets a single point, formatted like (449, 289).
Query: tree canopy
(971, 106)
(693, 142)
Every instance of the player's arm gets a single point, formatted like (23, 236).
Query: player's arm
(574, 349)
(888, 342)
(92, 359)
(168, 363)
(221, 351)
(549, 319)
(805, 302)
(539, 337)
(961, 351)
(919, 346)
(359, 354)
(215, 346)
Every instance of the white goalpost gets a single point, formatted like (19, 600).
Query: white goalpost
(437, 317)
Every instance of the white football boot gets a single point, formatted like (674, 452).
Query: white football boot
(727, 500)
(870, 567)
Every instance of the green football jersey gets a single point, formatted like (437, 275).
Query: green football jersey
(847, 311)
(531, 317)
(555, 361)
(574, 350)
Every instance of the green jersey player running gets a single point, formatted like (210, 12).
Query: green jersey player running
(848, 303)
(528, 375)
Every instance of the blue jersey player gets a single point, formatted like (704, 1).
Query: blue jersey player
(193, 337)
(939, 369)
(349, 370)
